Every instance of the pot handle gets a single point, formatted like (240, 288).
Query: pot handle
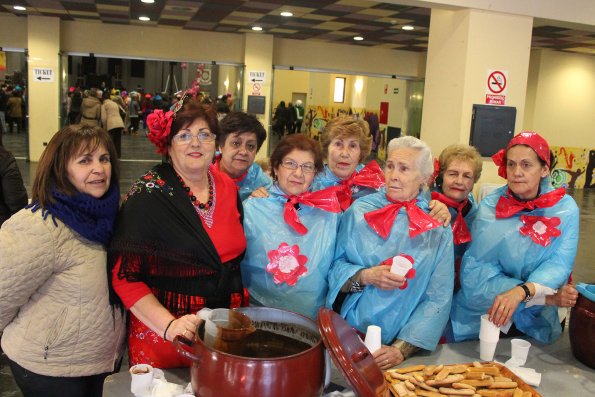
(182, 345)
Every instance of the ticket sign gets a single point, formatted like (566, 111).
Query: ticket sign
(497, 81)
(257, 76)
(43, 75)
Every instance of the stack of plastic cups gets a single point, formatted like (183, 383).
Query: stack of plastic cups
(489, 334)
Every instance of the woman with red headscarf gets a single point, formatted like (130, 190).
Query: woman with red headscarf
(525, 237)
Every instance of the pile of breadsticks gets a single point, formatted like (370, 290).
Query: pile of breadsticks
(473, 380)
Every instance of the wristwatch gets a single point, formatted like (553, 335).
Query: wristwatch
(356, 286)
(527, 292)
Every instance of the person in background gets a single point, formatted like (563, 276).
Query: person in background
(459, 169)
(3, 102)
(241, 138)
(411, 308)
(291, 234)
(299, 115)
(290, 119)
(14, 111)
(134, 113)
(13, 195)
(112, 121)
(179, 239)
(74, 111)
(59, 332)
(525, 237)
(280, 119)
(91, 109)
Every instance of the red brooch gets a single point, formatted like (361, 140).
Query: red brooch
(541, 229)
(286, 264)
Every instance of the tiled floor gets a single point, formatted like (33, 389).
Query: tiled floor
(138, 155)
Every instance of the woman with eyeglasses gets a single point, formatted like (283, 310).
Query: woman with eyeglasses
(291, 234)
(179, 238)
(241, 138)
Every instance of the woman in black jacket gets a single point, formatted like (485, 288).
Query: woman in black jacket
(13, 195)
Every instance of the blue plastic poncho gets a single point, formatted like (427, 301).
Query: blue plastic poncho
(500, 258)
(416, 314)
(271, 241)
(255, 178)
(327, 178)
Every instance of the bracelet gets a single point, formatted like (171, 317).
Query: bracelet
(166, 328)
(527, 292)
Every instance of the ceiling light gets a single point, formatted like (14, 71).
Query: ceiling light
(257, 28)
(407, 27)
(287, 14)
(145, 19)
(358, 38)
(19, 8)
(147, 1)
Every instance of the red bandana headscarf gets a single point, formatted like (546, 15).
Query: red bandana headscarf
(460, 230)
(382, 220)
(369, 176)
(531, 139)
(324, 199)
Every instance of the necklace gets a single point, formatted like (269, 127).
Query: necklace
(205, 210)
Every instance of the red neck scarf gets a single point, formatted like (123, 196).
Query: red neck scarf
(324, 199)
(508, 206)
(382, 220)
(369, 176)
(460, 231)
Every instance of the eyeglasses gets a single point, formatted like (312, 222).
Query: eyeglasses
(186, 137)
(307, 168)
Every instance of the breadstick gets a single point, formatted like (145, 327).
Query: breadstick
(477, 364)
(495, 371)
(503, 385)
(418, 377)
(398, 376)
(438, 368)
(457, 369)
(527, 394)
(409, 385)
(427, 393)
(496, 392)
(502, 379)
(443, 374)
(517, 393)
(475, 375)
(429, 370)
(458, 385)
(477, 382)
(447, 381)
(456, 392)
(413, 368)
(424, 385)
(401, 389)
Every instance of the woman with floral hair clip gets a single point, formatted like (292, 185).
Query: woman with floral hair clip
(179, 239)
(525, 237)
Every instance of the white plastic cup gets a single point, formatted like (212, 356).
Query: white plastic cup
(400, 265)
(142, 378)
(487, 350)
(520, 350)
(373, 339)
(488, 331)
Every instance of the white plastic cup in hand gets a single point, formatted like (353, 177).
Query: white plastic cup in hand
(400, 265)
(373, 339)
(520, 350)
(487, 350)
(142, 378)
(488, 331)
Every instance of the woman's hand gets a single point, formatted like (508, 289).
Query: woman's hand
(184, 326)
(439, 211)
(565, 297)
(387, 357)
(504, 306)
(261, 192)
(381, 277)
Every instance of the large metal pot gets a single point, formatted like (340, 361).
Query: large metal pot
(582, 330)
(215, 373)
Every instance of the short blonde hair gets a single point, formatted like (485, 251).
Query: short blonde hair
(461, 152)
(347, 127)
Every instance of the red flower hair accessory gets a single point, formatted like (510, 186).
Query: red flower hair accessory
(531, 139)
(286, 264)
(159, 124)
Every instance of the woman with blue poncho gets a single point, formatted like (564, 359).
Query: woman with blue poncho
(291, 233)
(525, 238)
(392, 227)
(459, 167)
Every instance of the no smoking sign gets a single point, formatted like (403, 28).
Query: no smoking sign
(496, 87)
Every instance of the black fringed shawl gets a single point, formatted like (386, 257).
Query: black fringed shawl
(160, 238)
